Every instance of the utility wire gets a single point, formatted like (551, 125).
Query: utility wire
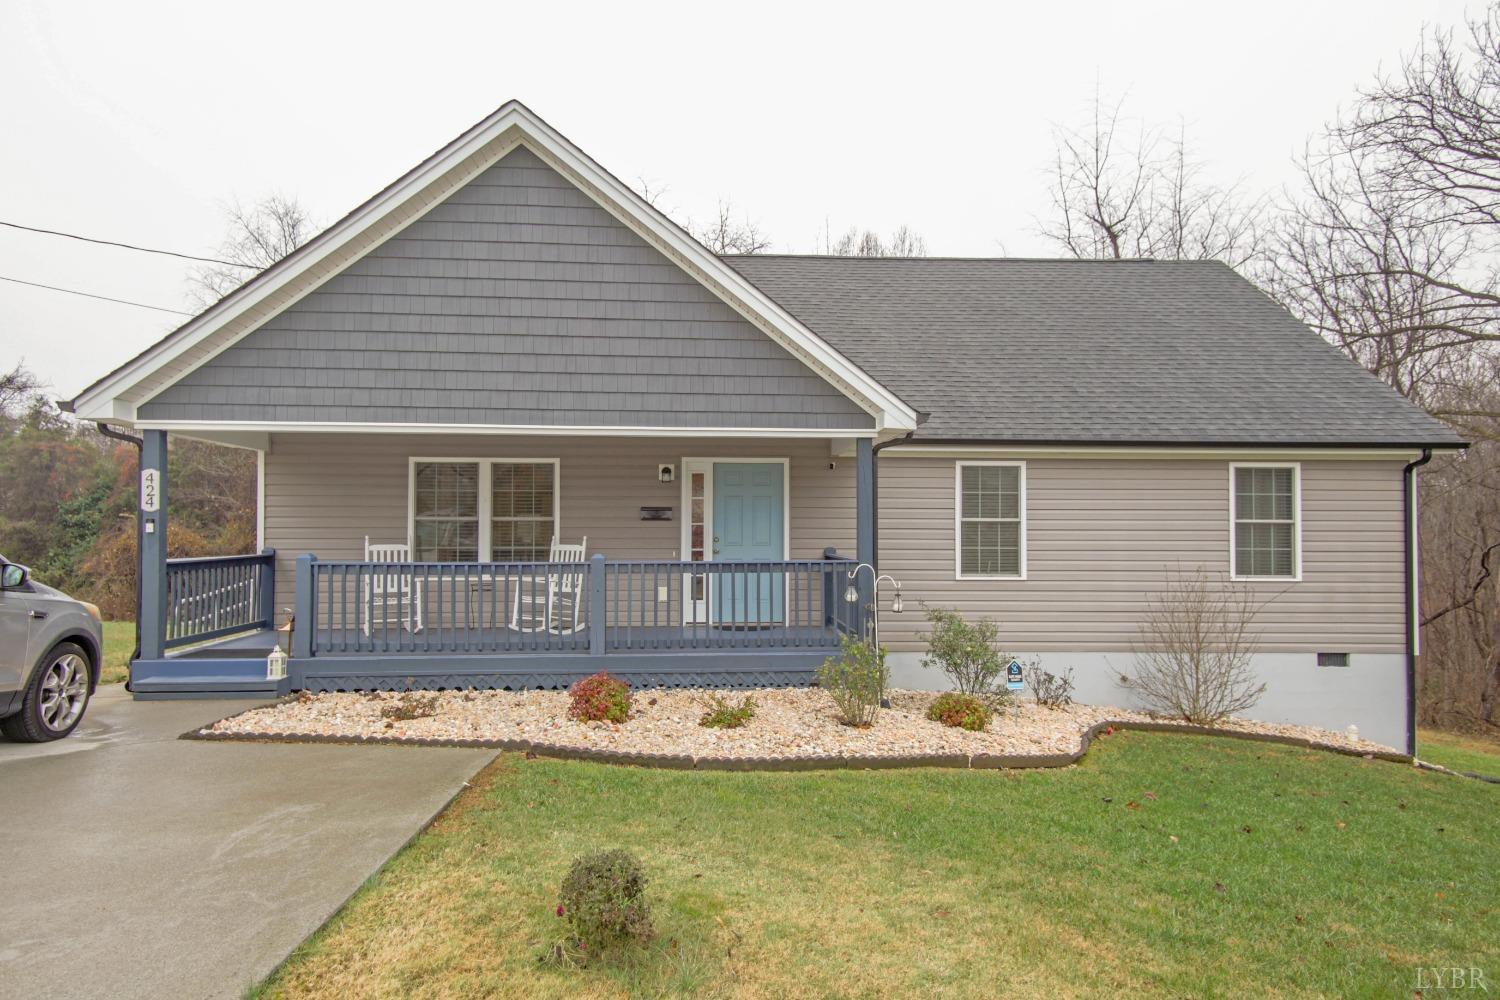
(91, 295)
(128, 246)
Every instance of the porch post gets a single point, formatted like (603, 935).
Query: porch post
(267, 584)
(304, 608)
(864, 528)
(864, 500)
(598, 609)
(152, 612)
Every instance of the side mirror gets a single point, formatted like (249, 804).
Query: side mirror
(13, 576)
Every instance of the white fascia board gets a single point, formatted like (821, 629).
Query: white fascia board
(105, 395)
(212, 430)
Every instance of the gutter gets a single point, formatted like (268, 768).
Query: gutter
(1409, 549)
(110, 432)
(1104, 443)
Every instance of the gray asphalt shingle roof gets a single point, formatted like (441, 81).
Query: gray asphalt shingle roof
(1081, 351)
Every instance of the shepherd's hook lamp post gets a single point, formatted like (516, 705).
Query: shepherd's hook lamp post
(851, 595)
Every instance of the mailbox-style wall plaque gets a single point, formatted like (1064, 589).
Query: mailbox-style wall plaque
(656, 513)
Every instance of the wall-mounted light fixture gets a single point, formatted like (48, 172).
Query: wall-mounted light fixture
(666, 473)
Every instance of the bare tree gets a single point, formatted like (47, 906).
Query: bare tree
(1123, 189)
(1371, 270)
(19, 389)
(650, 190)
(1193, 657)
(258, 237)
(1459, 671)
(724, 235)
(904, 242)
(1394, 252)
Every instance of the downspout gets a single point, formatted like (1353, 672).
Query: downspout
(1409, 512)
(110, 432)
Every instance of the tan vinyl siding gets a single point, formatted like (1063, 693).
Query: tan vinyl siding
(325, 492)
(1101, 534)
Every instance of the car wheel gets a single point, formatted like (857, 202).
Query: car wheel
(55, 699)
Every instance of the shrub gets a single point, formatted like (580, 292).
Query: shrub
(600, 698)
(603, 899)
(720, 713)
(409, 706)
(1052, 690)
(856, 680)
(1193, 657)
(968, 654)
(961, 710)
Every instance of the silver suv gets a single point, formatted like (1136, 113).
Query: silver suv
(50, 648)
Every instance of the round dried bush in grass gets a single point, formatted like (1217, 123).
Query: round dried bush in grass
(599, 698)
(603, 900)
(963, 711)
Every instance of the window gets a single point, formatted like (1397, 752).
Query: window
(521, 519)
(991, 519)
(445, 512)
(503, 508)
(1264, 502)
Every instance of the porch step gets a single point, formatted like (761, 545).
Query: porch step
(201, 678)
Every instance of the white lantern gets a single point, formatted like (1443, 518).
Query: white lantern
(276, 664)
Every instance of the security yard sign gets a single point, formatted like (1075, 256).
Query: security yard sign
(1013, 675)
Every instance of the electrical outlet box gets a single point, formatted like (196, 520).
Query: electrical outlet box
(661, 593)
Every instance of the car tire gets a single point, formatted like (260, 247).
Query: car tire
(56, 698)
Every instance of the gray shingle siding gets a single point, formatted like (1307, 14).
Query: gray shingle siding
(1081, 351)
(518, 300)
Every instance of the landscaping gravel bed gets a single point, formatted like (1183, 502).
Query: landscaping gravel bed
(788, 722)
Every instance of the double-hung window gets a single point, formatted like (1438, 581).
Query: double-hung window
(991, 520)
(495, 510)
(1265, 508)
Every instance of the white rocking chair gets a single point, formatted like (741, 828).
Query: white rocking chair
(555, 603)
(394, 596)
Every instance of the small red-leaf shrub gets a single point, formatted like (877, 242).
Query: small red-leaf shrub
(600, 698)
(962, 710)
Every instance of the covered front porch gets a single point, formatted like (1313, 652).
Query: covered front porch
(700, 562)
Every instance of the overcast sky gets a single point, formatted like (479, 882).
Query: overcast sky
(137, 122)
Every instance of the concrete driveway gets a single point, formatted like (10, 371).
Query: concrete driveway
(135, 864)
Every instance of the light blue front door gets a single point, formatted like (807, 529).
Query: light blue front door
(749, 526)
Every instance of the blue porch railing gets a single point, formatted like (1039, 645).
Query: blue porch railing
(599, 608)
(218, 596)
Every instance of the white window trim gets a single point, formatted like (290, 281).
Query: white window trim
(486, 495)
(1296, 468)
(958, 521)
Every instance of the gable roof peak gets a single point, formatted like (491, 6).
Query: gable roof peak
(115, 396)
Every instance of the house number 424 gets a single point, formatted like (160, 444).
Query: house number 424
(150, 495)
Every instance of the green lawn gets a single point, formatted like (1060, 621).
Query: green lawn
(119, 642)
(1459, 752)
(1163, 865)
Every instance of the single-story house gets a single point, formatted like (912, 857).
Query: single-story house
(514, 426)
